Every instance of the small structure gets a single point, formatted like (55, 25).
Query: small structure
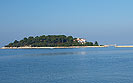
(80, 40)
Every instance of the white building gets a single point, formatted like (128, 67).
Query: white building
(81, 40)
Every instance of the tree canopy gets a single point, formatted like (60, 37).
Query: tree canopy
(49, 41)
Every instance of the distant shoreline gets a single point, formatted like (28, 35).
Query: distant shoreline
(124, 46)
(64, 47)
(52, 47)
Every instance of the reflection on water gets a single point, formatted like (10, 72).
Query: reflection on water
(97, 65)
(61, 53)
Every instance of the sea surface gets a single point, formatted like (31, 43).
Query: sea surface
(75, 65)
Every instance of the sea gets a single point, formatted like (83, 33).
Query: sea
(68, 65)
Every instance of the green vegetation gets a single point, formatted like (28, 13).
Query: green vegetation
(50, 41)
(96, 43)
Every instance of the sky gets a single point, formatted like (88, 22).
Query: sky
(105, 21)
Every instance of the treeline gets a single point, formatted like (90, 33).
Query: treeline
(49, 41)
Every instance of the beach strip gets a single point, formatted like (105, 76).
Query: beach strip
(124, 46)
(52, 47)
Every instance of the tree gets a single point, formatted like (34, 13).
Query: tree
(25, 38)
(50, 40)
(96, 43)
(15, 41)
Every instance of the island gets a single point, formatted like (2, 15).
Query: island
(52, 41)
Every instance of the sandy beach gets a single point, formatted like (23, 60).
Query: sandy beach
(52, 47)
(124, 46)
(64, 47)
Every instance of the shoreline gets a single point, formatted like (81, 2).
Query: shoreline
(52, 47)
(65, 47)
(124, 46)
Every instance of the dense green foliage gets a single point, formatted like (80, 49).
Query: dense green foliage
(49, 41)
(96, 43)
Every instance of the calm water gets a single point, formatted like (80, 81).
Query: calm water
(83, 65)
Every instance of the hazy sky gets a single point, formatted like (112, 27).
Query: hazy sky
(107, 21)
